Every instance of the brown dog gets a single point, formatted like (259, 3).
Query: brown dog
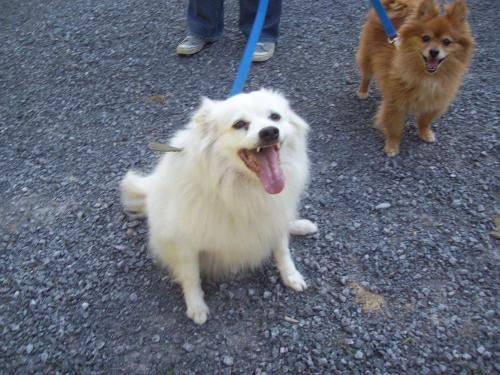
(423, 75)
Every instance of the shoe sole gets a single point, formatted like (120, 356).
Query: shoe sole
(191, 51)
(262, 58)
(187, 51)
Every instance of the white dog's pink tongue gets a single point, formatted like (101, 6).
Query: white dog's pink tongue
(270, 172)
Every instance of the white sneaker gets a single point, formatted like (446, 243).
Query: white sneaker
(263, 51)
(190, 45)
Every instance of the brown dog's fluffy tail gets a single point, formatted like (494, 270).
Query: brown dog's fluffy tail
(133, 194)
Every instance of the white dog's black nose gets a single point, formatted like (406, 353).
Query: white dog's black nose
(269, 134)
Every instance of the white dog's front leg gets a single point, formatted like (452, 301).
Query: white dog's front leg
(289, 274)
(302, 227)
(187, 272)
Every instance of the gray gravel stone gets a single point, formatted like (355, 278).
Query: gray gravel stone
(490, 313)
(228, 360)
(44, 357)
(359, 354)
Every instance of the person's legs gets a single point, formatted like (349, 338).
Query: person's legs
(205, 19)
(270, 30)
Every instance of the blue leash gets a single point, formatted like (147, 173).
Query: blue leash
(389, 29)
(246, 60)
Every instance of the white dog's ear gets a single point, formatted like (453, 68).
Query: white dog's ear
(299, 122)
(203, 122)
(201, 117)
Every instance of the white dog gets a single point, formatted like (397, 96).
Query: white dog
(229, 198)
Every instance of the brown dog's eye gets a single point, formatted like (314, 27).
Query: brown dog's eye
(240, 124)
(426, 39)
(446, 42)
(275, 116)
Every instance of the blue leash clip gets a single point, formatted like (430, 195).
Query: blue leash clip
(386, 23)
(246, 60)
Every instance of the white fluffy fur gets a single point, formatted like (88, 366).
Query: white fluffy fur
(207, 212)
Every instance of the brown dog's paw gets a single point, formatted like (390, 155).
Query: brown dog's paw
(391, 150)
(378, 127)
(362, 95)
(427, 136)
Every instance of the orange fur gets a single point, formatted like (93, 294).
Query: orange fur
(406, 78)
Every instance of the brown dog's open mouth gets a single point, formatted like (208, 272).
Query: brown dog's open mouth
(265, 163)
(432, 63)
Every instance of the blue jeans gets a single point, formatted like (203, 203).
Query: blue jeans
(206, 19)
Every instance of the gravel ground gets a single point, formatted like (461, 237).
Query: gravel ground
(404, 275)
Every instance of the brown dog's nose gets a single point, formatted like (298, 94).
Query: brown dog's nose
(434, 53)
(269, 134)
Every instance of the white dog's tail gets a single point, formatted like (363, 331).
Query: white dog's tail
(133, 194)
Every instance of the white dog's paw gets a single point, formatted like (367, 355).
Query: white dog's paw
(302, 227)
(295, 281)
(198, 312)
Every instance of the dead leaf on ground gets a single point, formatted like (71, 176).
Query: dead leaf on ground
(160, 99)
(370, 302)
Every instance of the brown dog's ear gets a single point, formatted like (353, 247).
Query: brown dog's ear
(457, 11)
(427, 8)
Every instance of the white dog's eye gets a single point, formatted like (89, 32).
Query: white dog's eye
(275, 116)
(240, 124)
